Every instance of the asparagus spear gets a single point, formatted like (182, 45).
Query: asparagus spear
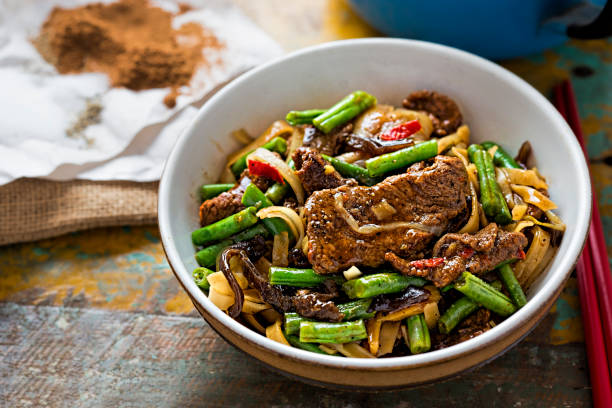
(345, 110)
(302, 278)
(501, 157)
(208, 256)
(351, 170)
(324, 332)
(277, 192)
(418, 334)
(458, 311)
(493, 202)
(277, 144)
(199, 276)
(225, 227)
(506, 274)
(212, 190)
(254, 197)
(295, 342)
(304, 117)
(484, 294)
(385, 163)
(378, 284)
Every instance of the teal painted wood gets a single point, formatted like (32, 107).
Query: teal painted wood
(68, 357)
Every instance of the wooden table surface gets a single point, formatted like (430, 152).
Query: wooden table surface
(97, 319)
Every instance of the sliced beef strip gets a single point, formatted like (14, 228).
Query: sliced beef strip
(315, 173)
(473, 326)
(443, 111)
(330, 143)
(229, 202)
(317, 306)
(297, 259)
(430, 195)
(455, 253)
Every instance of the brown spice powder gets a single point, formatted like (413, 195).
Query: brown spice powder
(131, 41)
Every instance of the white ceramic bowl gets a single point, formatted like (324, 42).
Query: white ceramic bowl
(496, 104)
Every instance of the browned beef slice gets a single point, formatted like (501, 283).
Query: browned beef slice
(474, 325)
(476, 253)
(431, 196)
(489, 251)
(443, 111)
(315, 173)
(330, 143)
(317, 306)
(229, 202)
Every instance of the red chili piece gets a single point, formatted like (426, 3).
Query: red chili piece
(520, 254)
(261, 169)
(466, 253)
(402, 131)
(427, 263)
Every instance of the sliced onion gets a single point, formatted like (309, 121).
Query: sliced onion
(278, 128)
(280, 249)
(388, 335)
(296, 141)
(383, 210)
(266, 156)
(373, 327)
(374, 228)
(289, 216)
(351, 157)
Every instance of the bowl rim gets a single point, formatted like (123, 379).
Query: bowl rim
(521, 317)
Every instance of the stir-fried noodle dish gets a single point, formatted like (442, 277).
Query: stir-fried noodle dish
(367, 230)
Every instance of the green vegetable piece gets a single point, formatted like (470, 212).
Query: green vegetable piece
(385, 163)
(207, 257)
(458, 311)
(295, 342)
(226, 227)
(292, 323)
(351, 170)
(357, 309)
(506, 274)
(208, 191)
(378, 284)
(277, 144)
(418, 334)
(345, 110)
(199, 276)
(501, 157)
(304, 117)
(277, 192)
(484, 294)
(324, 332)
(254, 197)
(303, 278)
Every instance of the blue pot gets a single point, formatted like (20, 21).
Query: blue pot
(493, 29)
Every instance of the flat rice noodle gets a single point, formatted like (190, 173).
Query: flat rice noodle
(461, 136)
(353, 350)
(432, 314)
(270, 315)
(550, 252)
(504, 185)
(274, 332)
(533, 196)
(250, 319)
(518, 212)
(220, 300)
(525, 269)
(373, 327)
(525, 178)
(218, 281)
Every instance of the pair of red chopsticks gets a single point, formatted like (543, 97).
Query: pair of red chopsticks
(594, 279)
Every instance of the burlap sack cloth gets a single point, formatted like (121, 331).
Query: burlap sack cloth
(32, 209)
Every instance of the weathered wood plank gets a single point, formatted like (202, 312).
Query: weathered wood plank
(68, 357)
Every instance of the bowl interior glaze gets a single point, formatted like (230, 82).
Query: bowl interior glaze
(496, 104)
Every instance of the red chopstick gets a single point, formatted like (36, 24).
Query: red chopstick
(594, 280)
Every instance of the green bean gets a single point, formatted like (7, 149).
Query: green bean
(254, 197)
(345, 110)
(295, 342)
(226, 227)
(378, 284)
(351, 170)
(303, 278)
(385, 163)
(207, 257)
(277, 191)
(324, 332)
(212, 190)
(506, 274)
(491, 198)
(292, 323)
(458, 311)
(304, 117)
(418, 334)
(501, 157)
(199, 276)
(484, 294)
(357, 309)
(277, 144)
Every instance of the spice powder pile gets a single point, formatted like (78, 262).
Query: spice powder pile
(131, 41)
